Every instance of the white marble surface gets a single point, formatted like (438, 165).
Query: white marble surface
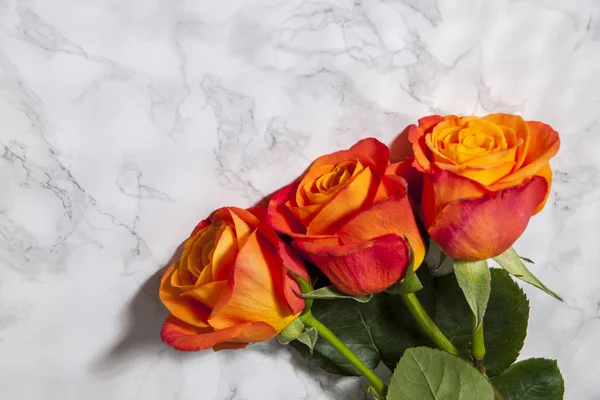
(122, 123)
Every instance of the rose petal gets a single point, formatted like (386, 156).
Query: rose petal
(229, 346)
(543, 145)
(346, 202)
(546, 173)
(186, 337)
(487, 175)
(486, 227)
(416, 135)
(201, 225)
(290, 261)
(393, 215)
(444, 188)
(521, 129)
(251, 294)
(184, 308)
(207, 294)
(413, 177)
(429, 122)
(279, 216)
(361, 268)
(370, 151)
(225, 252)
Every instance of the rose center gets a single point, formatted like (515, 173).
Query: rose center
(202, 252)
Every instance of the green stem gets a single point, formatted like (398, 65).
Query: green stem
(324, 333)
(478, 347)
(426, 323)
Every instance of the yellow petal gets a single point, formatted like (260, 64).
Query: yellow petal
(348, 200)
(207, 294)
(254, 296)
(224, 254)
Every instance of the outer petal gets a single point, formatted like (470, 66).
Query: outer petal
(279, 216)
(416, 135)
(252, 291)
(290, 261)
(486, 227)
(543, 144)
(429, 122)
(370, 151)
(443, 188)
(546, 173)
(201, 225)
(186, 337)
(393, 215)
(362, 268)
(413, 177)
(184, 308)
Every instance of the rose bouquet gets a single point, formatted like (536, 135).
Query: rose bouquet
(346, 264)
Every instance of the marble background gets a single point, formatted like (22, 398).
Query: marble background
(123, 123)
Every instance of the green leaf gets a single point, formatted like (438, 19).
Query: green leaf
(409, 284)
(504, 323)
(380, 330)
(331, 292)
(474, 279)
(510, 261)
(532, 379)
(430, 374)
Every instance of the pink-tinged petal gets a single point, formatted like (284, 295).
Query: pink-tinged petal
(361, 268)
(186, 337)
(443, 188)
(279, 216)
(184, 308)
(486, 227)
(392, 215)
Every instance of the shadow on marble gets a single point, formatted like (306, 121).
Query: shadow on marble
(352, 388)
(142, 321)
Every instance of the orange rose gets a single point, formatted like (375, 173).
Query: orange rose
(484, 179)
(351, 219)
(230, 286)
